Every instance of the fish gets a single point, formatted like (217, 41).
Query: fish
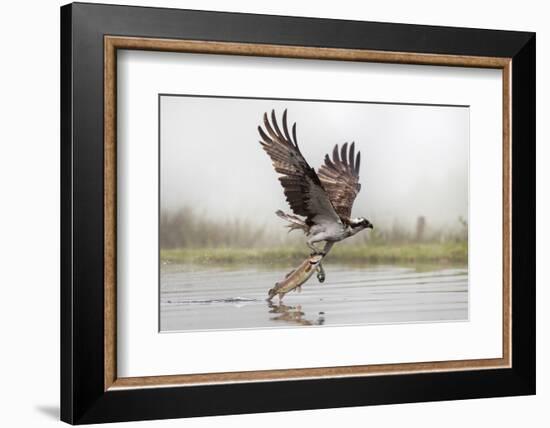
(296, 277)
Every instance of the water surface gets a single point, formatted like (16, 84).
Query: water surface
(199, 298)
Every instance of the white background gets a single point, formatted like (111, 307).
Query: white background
(144, 352)
(29, 230)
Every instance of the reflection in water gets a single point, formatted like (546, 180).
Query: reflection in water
(292, 314)
(205, 298)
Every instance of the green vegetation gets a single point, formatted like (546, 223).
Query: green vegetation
(187, 236)
(427, 252)
(188, 228)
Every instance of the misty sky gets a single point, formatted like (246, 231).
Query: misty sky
(414, 159)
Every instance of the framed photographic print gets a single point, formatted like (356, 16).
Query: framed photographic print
(265, 213)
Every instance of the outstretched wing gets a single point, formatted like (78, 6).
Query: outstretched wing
(302, 187)
(340, 178)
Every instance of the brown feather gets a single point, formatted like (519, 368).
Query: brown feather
(352, 156)
(285, 127)
(294, 135)
(340, 179)
(302, 187)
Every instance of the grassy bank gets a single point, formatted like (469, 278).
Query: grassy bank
(449, 252)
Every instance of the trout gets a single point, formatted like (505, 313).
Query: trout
(295, 278)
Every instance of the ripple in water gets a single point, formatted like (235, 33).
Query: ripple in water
(195, 299)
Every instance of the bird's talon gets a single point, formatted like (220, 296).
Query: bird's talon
(318, 253)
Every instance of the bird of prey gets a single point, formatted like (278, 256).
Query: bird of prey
(323, 198)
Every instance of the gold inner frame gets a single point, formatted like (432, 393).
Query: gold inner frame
(112, 43)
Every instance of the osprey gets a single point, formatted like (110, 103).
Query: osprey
(324, 198)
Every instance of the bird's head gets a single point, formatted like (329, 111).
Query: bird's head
(360, 223)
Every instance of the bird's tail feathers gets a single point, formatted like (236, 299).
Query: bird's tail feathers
(296, 223)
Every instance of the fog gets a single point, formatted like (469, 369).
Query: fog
(414, 158)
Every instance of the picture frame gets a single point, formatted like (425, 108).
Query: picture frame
(91, 390)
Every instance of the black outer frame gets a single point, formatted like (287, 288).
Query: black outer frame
(83, 399)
